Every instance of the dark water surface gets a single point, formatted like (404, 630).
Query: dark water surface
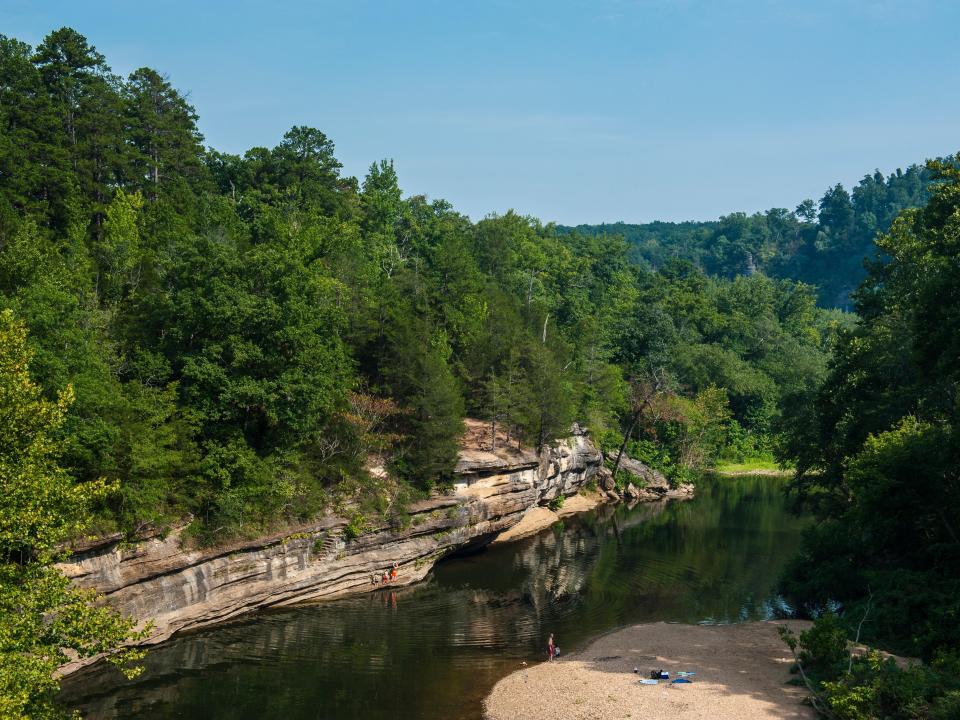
(436, 649)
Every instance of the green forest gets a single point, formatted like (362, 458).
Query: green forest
(877, 452)
(233, 340)
(242, 333)
(820, 243)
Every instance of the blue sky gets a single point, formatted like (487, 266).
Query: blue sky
(570, 111)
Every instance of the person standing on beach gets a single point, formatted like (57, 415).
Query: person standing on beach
(550, 647)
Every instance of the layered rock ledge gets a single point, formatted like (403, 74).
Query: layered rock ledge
(181, 589)
(500, 494)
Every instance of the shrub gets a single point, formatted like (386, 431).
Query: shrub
(874, 686)
(356, 527)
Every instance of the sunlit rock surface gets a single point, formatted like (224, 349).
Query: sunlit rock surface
(184, 589)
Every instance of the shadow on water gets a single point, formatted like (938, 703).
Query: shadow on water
(436, 649)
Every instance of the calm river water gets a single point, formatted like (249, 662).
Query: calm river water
(435, 650)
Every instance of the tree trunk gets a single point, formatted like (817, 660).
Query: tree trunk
(623, 445)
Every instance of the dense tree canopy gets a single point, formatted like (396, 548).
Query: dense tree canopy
(820, 243)
(42, 617)
(877, 446)
(221, 317)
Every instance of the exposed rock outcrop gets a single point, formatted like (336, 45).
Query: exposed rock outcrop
(540, 518)
(183, 589)
(651, 484)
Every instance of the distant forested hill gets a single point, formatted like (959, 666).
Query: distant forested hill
(820, 243)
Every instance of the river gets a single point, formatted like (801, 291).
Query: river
(435, 650)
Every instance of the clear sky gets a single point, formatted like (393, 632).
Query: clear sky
(574, 111)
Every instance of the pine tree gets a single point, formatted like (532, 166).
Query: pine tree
(85, 96)
(32, 167)
(551, 393)
(163, 130)
(418, 374)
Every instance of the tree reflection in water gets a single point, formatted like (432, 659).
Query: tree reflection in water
(435, 650)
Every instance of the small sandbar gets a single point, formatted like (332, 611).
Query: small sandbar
(538, 519)
(742, 673)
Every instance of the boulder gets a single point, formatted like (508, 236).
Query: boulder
(683, 490)
(649, 477)
(605, 479)
(631, 492)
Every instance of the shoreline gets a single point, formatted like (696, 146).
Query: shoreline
(762, 472)
(539, 518)
(180, 589)
(742, 673)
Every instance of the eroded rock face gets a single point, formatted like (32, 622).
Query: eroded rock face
(648, 477)
(179, 589)
(651, 484)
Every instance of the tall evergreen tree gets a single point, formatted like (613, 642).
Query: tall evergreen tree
(162, 128)
(85, 96)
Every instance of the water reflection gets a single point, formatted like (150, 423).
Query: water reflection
(434, 650)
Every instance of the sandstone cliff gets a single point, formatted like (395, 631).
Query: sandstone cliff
(651, 485)
(184, 589)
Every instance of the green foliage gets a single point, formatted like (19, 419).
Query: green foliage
(698, 432)
(233, 324)
(556, 503)
(253, 338)
(741, 445)
(877, 452)
(42, 616)
(823, 244)
(117, 250)
(824, 646)
(869, 686)
(421, 379)
(653, 454)
(356, 526)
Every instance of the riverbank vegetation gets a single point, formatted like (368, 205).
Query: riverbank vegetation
(44, 620)
(850, 682)
(877, 451)
(764, 465)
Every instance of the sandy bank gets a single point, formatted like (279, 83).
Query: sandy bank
(742, 671)
(540, 518)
